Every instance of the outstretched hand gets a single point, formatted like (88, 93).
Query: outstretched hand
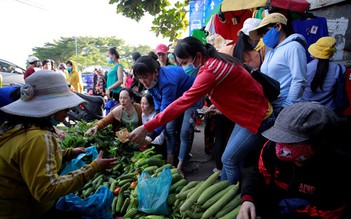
(91, 131)
(247, 211)
(138, 135)
(105, 163)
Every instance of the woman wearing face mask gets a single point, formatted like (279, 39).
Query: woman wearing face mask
(232, 91)
(115, 75)
(75, 77)
(244, 48)
(286, 61)
(31, 156)
(301, 172)
(166, 84)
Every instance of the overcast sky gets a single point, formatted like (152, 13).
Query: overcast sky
(26, 24)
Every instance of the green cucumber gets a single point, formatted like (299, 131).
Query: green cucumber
(113, 205)
(176, 177)
(232, 214)
(131, 213)
(193, 198)
(171, 199)
(212, 190)
(233, 191)
(181, 182)
(120, 202)
(159, 170)
(214, 198)
(127, 176)
(151, 169)
(152, 162)
(190, 185)
(229, 206)
(125, 205)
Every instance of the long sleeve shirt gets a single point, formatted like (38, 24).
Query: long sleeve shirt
(287, 64)
(318, 189)
(231, 89)
(172, 83)
(326, 94)
(29, 180)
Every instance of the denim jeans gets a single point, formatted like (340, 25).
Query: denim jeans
(241, 142)
(223, 129)
(186, 131)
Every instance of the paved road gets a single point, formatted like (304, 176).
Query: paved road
(201, 165)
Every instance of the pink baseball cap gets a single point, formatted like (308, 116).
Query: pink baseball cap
(161, 48)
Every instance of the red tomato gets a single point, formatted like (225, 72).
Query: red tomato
(117, 191)
(143, 147)
(133, 184)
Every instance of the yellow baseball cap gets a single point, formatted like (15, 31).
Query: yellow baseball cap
(324, 48)
(269, 19)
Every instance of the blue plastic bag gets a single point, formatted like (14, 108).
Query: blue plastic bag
(77, 162)
(95, 206)
(153, 192)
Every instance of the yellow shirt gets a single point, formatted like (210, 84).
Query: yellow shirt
(29, 180)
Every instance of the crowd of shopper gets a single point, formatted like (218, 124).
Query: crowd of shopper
(289, 155)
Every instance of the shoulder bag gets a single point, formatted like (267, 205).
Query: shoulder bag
(271, 87)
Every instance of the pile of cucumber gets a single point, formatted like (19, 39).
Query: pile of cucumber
(208, 199)
(122, 181)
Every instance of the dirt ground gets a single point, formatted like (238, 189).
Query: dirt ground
(201, 165)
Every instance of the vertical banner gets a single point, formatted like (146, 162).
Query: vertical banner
(211, 8)
(196, 15)
(200, 12)
(337, 29)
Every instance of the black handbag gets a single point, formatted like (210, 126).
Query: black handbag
(271, 87)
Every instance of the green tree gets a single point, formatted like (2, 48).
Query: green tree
(90, 50)
(169, 20)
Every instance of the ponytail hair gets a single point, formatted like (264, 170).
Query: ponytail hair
(321, 73)
(190, 46)
(113, 51)
(145, 65)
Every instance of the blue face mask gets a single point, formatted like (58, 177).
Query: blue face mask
(271, 38)
(69, 69)
(53, 121)
(109, 60)
(190, 69)
(171, 56)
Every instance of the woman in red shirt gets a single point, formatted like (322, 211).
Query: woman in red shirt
(233, 92)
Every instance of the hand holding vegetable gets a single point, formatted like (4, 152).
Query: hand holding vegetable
(76, 151)
(105, 163)
(247, 211)
(138, 135)
(91, 131)
(61, 134)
